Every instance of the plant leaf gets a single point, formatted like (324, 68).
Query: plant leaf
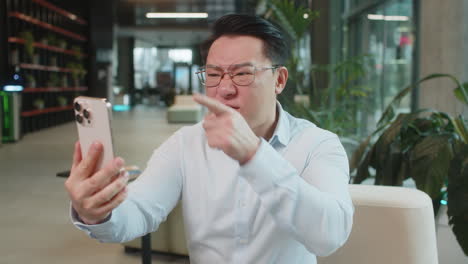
(461, 92)
(390, 165)
(282, 19)
(458, 196)
(376, 157)
(460, 127)
(292, 18)
(387, 115)
(429, 163)
(363, 169)
(358, 154)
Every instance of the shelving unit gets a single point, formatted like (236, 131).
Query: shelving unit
(48, 44)
(47, 110)
(54, 89)
(43, 46)
(46, 25)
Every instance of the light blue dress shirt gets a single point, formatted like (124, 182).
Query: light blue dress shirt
(289, 203)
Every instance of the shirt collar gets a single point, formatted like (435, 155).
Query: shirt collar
(282, 131)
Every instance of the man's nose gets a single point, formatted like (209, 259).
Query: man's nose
(226, 87)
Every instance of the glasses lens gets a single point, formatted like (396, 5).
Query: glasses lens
(243, 75)
(212, 76)
(240, 75)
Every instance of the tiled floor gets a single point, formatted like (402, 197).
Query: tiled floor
(34, 221)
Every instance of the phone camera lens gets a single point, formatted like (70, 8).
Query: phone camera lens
(79, 118)
(77, 106)
(86, 114)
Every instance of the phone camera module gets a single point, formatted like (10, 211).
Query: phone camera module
(79, 118)
(77, 106)
(86, 113)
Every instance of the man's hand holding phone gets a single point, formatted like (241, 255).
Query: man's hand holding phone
(94, 194)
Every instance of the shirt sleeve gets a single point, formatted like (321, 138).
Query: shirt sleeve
(150, 198)
(314, 206)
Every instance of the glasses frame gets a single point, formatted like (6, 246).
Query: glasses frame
(202, 70)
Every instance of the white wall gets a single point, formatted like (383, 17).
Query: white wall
(443, 49)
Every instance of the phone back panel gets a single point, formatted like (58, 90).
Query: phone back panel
(94, 126)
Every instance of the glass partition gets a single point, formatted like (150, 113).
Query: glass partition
(386, 33)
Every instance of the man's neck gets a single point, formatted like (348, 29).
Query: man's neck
(268, 128)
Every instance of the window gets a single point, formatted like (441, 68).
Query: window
(386, 33)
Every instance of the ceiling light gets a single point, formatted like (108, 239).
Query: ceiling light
(176, 15)
(396, 18)
(13, 88)
(375, 17)
(387, 18)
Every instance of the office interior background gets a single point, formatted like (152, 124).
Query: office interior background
(361, 53)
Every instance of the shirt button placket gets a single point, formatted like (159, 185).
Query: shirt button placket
(243, 224)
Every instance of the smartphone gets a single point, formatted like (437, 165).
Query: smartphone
(93, 120)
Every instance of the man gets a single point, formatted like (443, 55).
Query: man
(257, 185)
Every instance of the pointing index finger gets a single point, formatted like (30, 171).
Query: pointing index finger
(214, 106)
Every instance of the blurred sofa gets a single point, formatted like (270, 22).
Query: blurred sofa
(184, 110)
(391, 225)
(169, 238)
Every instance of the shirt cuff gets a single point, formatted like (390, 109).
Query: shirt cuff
(95, 231)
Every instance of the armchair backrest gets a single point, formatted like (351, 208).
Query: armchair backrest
(391, 225)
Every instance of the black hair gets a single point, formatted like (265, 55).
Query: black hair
(275, 44)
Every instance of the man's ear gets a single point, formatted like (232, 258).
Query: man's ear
(281, 79)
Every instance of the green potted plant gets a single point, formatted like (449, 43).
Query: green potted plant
(14, 56)
(428, 146)
(36, 58)
(28, 38)
(30, 81)
(64, 81)
(51, 40)
(54, 80)
(335, 107)
(78, 72)
(78, 52)
(39, 103)
(73, 71)
(53, 61)
(62, 43)
(62, 101)
(81, 73)
(295, 20)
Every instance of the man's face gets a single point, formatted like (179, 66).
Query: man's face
(256, 102)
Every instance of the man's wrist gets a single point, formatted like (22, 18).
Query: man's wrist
(251, 153)
(86, 221)
(96, 222)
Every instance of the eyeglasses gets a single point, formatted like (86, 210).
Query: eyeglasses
(241, 74)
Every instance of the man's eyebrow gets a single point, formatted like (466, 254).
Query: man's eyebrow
(240, 65)
(230, 66)
(212, 66)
